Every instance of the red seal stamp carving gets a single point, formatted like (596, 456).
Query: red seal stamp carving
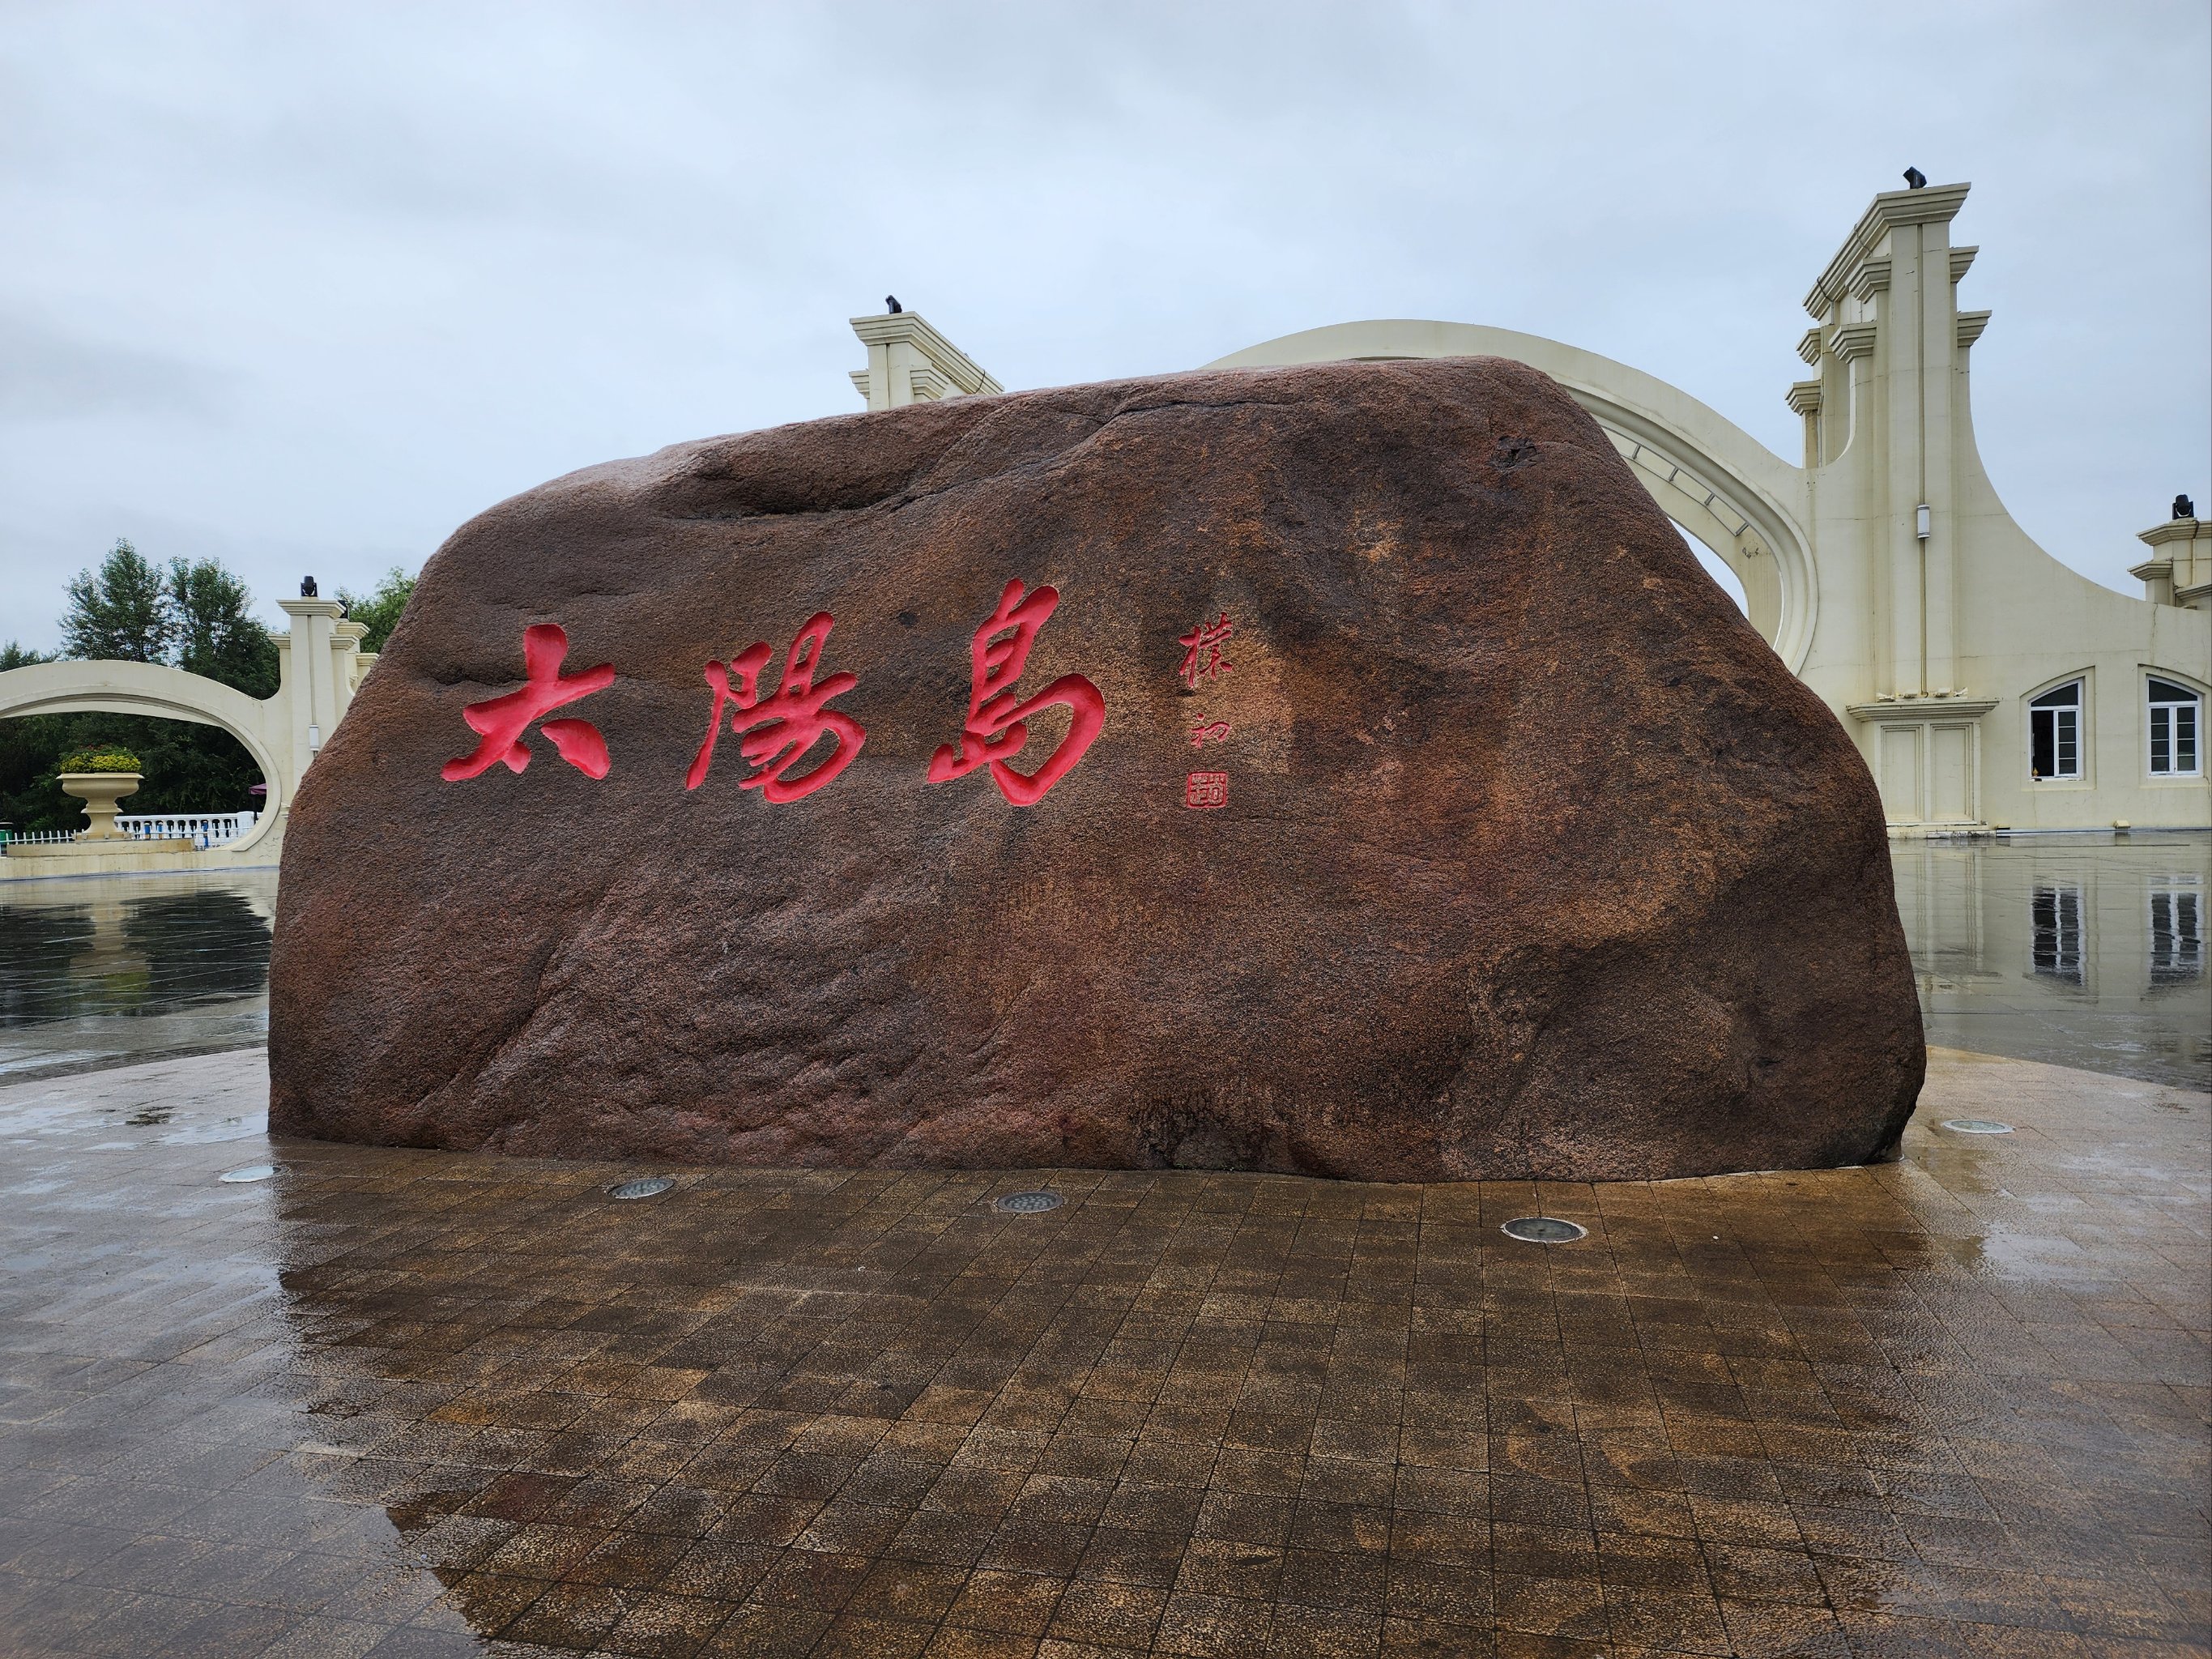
(1206, 789)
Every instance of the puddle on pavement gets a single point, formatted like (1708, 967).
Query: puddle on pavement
(2078, 950)
(101, 971)
(2083, 951)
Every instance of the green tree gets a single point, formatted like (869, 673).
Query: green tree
(13, 655)
(379, 609)
(215, 633)
(120, 614)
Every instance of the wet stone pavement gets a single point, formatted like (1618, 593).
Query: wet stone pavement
(399, 1402)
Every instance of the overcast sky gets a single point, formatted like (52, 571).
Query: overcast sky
(304, 287)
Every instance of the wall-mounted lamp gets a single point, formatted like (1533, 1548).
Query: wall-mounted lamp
(315, 738)
(1920, 521)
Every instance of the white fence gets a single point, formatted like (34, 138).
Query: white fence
(202, 829)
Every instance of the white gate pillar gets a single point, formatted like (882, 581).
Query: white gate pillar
(1891, 292)
(311, 687)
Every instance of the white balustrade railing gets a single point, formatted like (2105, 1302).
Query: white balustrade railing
(202, 828)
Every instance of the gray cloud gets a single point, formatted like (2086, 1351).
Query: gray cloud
(311, 285)
(46, 374)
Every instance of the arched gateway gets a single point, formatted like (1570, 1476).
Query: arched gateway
(1707, 474)
(320, 664)
(169, 693)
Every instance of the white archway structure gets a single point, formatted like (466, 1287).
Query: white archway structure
(1707, 474)
(169, 693)
(320, 664)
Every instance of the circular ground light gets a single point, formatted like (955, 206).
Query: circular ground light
(647, 1187)
(1977, 1126)
(1543, 1229)
(251, 1172)
(1026, 1203)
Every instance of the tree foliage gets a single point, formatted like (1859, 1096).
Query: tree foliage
(122, 614)
(378, 609)
(212, 624)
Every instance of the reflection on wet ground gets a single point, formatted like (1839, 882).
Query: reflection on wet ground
(2084, 950)
(2087, 952)
(104, 971)
(399, 1402)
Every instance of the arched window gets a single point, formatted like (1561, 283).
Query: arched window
(2054, 733)
(2177, 725)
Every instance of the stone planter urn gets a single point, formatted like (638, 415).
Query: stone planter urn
(100, 792)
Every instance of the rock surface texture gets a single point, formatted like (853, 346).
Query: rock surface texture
(1403, 803)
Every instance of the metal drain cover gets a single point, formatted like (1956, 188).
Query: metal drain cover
(646, 1187)
(251, 1172)
(1977, 1126)
(1026, 1203)
(1543, 1229)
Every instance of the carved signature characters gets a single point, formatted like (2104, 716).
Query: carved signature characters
(1201, 660)
(1201, 656)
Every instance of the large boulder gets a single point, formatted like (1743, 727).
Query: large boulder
(1385, 793)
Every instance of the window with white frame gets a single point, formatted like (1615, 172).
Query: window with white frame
(2054, 733)
(2054, 916)
(2176, 933)
(2177, 725)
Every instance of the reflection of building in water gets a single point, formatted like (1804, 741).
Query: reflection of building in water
(2177, 933)
(2085, 953)
(2056, 949)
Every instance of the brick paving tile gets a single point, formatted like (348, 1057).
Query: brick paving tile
(398, 1403)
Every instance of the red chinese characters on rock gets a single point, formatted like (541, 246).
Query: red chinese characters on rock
(1201, 655)
(777, 733)
(996, 729)
(1202, 661)
(502, 721)
(780, 733)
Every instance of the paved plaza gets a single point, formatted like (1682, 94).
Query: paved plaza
(404, 1402)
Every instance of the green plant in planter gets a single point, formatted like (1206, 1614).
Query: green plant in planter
(102, 758)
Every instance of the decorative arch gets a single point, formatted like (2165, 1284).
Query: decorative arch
(1707, 474)
(138, 688)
